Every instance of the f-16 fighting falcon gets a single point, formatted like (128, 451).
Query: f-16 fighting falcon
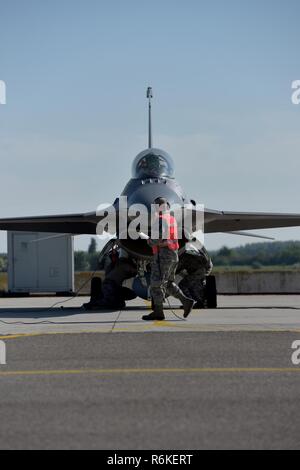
(152, 178)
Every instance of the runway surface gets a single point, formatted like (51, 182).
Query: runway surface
(223, 379)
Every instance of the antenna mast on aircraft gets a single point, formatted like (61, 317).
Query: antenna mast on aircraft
(149, 96)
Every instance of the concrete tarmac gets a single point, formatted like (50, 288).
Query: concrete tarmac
(223, 379)
(235, 313)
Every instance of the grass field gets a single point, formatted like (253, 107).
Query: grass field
(82, 281)
(3, 282)
(250, 269)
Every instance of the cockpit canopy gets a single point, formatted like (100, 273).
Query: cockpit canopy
(153, 163)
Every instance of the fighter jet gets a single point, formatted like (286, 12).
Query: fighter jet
(152, 177)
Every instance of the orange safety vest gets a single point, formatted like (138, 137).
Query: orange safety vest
(172, 241)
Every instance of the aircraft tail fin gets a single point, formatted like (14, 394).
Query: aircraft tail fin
(149, 96)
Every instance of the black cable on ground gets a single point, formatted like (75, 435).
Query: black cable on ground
(177, 316)
(48, 309)
(116, 320)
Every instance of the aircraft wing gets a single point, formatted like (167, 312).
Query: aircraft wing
(223, 221)
(75, 224)
(214, 221)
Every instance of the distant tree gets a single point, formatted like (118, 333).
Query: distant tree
(3, 263)
(81, 261)
(224, 251)
(255, 255)
(256, 265)
(259, 254)
(92, 247)
(94, 261)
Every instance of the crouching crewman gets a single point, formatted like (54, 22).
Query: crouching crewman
(194, 265)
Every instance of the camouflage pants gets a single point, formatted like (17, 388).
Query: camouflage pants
(192, 285)
(162, 282)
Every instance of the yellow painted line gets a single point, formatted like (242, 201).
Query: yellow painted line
(25, 335)
(201, 370)
(107, 329)
(163, 323)
(149, 327)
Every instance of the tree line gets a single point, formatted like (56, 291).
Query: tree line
(259, 255)
(254, 255)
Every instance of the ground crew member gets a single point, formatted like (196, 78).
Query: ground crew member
(164, 262)
(194, 265)
(110, 294)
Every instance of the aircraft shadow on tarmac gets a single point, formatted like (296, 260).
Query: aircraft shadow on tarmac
(36, 313)
(31, 313)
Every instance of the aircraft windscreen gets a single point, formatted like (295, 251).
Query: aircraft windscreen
(153, 163)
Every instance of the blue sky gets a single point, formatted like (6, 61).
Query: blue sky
(76, 74)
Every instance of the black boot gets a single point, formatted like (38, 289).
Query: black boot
(187, 304)
(96, 293)
(199, 305)
(157, 314)
(87, 306)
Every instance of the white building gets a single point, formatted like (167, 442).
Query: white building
(40, 262)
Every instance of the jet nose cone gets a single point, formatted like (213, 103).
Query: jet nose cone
(147, 193)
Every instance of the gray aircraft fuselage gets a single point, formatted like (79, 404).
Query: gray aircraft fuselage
(153, 177)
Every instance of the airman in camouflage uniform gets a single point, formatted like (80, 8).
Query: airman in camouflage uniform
(164, 264)
(163, 269)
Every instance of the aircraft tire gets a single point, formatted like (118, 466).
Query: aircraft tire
(211, 292)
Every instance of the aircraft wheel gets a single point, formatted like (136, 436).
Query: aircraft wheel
(211, 292)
